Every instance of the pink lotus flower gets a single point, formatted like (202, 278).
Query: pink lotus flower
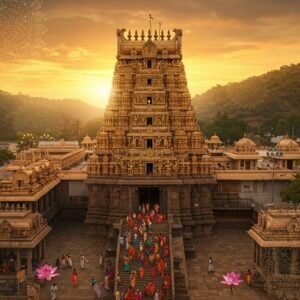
(46, 272)
(231, 278)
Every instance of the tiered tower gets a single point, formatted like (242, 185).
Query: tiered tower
(151, 147)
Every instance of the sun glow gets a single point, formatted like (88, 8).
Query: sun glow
(99, 92)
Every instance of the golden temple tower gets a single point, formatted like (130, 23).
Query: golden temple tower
(151, 148)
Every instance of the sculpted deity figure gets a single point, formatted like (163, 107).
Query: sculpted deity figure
(159, 168)
(175, 167)
(123, 166)
(130, 168)
(168, 169)
(141, 168)
(140, 142)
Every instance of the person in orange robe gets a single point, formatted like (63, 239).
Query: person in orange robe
(158, 267)
(161, 267)
(131, 251)
(248, 277)
(151, 288)
(153, 272)
(142, 272)
(74, 277)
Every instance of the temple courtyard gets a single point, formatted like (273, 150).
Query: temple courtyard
(232, 251)
(230, 247)
(70, 237)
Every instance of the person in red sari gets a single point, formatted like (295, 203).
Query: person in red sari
(168, 281)
(130, 294)
(162, 292)
(153, 272)
(166, 252)
(145, 290)
(74, 277)
(139, 217)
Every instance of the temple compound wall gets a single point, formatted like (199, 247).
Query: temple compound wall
(150, 148)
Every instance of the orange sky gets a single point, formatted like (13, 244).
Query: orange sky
(223, 41)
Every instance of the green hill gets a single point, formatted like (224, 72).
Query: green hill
(270, 101)
(22, 113)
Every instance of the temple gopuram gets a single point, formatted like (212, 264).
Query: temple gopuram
(150, 148)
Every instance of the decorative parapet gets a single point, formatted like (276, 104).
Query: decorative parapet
(154, 45)
(278, 226)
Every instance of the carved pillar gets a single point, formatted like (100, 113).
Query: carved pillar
(29, 262)
(254, 252)
(260, 256)
(43, 249)
(18, 259)
(41, 205)
(257, 255)
(185, 207)
(294, 261)
(38, 253)
(276, 261)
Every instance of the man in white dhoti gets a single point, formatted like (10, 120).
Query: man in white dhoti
(54, 289)
(211, 267)
(82, 261)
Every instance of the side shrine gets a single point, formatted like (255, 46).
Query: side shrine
(151, 148)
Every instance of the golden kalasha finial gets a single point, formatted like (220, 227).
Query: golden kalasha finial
(136, 35)
(162, 36)
(129, 35)
(168, 35)
(142, 35)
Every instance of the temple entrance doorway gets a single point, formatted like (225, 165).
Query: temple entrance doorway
(149, 195)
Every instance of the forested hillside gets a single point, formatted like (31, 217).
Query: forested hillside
(269, 103)
(20, 113)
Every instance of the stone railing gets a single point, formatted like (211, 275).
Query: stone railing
(118, 226)
(232, 203)
(170, 222)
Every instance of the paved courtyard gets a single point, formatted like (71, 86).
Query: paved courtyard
(231, 250)
(70, 237)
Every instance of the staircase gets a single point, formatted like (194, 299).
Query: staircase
(161, 228)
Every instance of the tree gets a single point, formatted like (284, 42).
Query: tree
(26, 141)
(5, 156)
(292, 192)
